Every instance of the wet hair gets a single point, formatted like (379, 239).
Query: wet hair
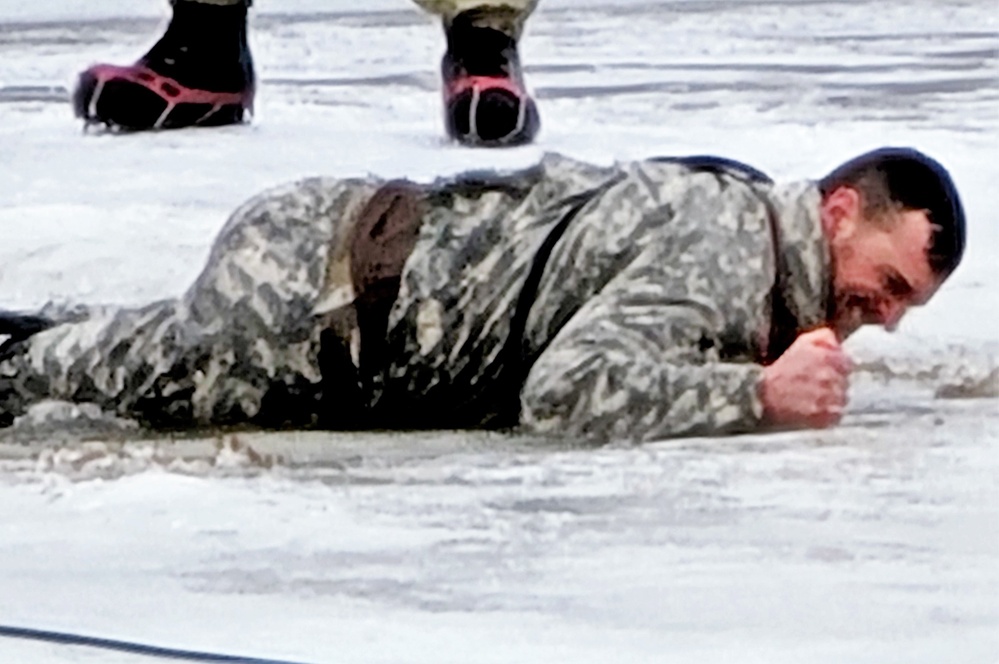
(905, 179)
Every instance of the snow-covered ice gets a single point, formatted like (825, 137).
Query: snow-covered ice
(874, 542)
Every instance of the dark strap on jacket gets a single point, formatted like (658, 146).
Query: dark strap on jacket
(712, 164)
(514, 356)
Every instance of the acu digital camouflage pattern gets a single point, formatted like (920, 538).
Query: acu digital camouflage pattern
(507, 16)
(240, 345)
(665, 291)
(452, 7)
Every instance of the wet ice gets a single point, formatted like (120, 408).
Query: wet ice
(873, 542)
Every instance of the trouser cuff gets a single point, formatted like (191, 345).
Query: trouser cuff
(221, 3)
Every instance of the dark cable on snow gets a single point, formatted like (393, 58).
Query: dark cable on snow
(63, 638)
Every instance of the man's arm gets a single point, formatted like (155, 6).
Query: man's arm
(633, 367)
(667, 347)
(645, 359)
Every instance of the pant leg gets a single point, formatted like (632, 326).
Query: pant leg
(507, 16)
(240, 346)
(217, 2)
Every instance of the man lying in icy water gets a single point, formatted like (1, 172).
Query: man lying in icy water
(643, 300)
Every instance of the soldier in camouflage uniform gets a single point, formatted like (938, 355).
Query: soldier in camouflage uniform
(642, 300)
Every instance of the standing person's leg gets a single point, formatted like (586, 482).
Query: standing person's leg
(485, 100)
(200, 73)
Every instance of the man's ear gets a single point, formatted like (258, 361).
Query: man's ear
(841, 211)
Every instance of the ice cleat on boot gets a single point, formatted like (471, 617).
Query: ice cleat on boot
(485, 102)
(200, 73)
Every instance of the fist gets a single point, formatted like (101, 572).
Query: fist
(807, 385)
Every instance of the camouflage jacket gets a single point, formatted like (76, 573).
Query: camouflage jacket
(637, 300)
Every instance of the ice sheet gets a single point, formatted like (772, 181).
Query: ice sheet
(876, 542)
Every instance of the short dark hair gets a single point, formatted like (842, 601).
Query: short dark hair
(903, 178)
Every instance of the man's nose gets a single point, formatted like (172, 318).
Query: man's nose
(891, 314)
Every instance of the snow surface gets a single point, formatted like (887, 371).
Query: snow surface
(875, 542)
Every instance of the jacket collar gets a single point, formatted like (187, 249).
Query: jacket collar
(803, 290)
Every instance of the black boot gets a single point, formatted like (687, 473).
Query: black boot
(200, 73)
(485, 102)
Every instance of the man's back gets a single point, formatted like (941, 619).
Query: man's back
(505, 267)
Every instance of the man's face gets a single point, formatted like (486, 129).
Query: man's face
(879, 269)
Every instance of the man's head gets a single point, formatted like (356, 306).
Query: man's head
(895, 227)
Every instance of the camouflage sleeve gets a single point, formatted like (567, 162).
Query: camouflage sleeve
(666, 347)
(239, 345)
